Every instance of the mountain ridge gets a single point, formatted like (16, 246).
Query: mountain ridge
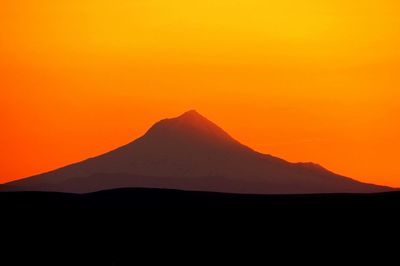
(191, 152)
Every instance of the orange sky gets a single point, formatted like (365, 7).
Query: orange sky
(306, 80)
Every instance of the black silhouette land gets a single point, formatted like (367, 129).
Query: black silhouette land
(191, 153)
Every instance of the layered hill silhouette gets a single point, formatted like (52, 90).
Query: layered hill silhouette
(191, 153)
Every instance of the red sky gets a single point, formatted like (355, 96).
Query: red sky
(303, 80)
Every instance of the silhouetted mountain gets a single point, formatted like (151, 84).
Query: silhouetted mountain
(191, 153)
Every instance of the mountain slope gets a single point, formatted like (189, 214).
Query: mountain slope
(190, 152)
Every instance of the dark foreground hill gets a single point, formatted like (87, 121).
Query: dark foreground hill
(165, 200)
(128, 226)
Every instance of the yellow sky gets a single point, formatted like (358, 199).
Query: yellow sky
(306, 80)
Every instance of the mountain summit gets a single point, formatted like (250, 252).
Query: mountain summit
(192, 153)
(190, 126)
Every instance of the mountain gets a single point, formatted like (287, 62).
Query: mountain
(191, 153)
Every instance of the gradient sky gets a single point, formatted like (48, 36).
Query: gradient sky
(305, 80)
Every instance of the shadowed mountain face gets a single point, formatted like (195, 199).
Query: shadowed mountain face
(191, 153)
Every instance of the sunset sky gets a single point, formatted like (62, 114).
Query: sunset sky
(305, 80)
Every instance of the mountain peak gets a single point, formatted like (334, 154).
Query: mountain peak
(192, 119)
(192, 126)
(191, 113)
(192, 116)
